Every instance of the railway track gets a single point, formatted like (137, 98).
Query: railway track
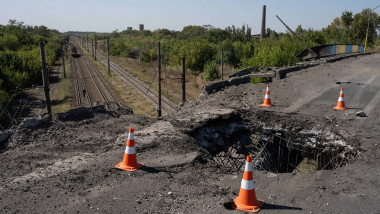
(110, 98)
(145, 90)
(91, 86)
(80, 86)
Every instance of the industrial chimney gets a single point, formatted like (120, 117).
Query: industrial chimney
(262, 35)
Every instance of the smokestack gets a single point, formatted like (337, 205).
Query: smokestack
(262, 35)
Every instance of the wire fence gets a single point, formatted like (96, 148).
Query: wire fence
(12, 112)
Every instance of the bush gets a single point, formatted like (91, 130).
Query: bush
(144, 57)
(198, 53)
(260, 79)
(211, 70)
(20, 64)
(274, 53)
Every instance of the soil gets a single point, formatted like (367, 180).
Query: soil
(68, 166)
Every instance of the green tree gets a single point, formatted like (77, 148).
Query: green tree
(192, 31)
(211, 70)
(347, 19)
(299, 30)
(198, 54)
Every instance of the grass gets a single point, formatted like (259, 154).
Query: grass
(260, 79)
(129, 95)
(63, 98)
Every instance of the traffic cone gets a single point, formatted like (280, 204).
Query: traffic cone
(340, 105)
(129, 162)
(267, 101)
(246, 201)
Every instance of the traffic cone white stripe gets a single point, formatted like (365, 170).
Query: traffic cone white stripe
(341, 99)
(130, 150)
(130, 136)
(247, 185)
(248, 167)
(267, 96)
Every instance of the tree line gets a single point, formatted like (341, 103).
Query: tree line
(202, 45)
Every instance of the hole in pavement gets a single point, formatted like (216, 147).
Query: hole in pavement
(273, 149)
(229, 205)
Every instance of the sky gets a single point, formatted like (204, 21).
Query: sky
(109, 15)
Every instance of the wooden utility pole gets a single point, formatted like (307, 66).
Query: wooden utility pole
(295, 35)
(159, 80)
(92, 47)
(222, 64)
(87, 48)
(96, 45)
(63, 61)
(108, 57)
(183, 80)
(45, 79)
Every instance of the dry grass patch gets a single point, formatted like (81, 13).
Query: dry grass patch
(63, 97)
(172, 84)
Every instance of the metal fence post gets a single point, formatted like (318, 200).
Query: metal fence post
(159, 80)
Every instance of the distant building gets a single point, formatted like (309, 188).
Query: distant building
(129, 28)
(141, 26)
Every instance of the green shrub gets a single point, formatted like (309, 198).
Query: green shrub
(145, 57)
(260, 79)
(20, 64)
(211, 70)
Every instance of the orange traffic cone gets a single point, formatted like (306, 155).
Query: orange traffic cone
(340, 105)
(246, 201)
(267, 101)
(129, 162)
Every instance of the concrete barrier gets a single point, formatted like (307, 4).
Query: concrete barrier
(279, 73)
(217, 86)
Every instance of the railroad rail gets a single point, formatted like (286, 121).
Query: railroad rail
(100, 88)
(110, 98)
(80, 85)
(146, 91)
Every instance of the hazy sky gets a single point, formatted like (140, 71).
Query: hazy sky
(108, 15)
